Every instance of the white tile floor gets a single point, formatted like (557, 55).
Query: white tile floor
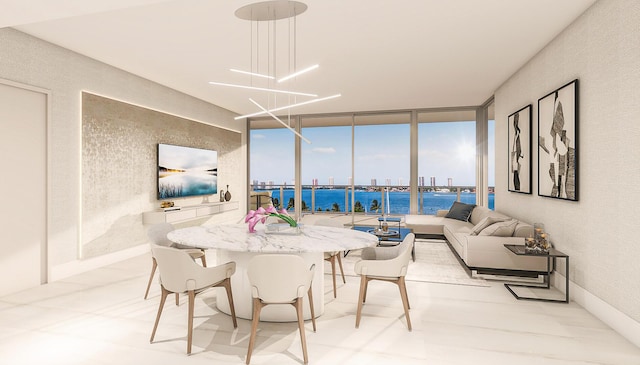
(100, 318)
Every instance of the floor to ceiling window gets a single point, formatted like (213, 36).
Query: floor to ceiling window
(491, 140)
(446, 159)
(362, 162)
(382, 163)
(326, 163)
(272, 162)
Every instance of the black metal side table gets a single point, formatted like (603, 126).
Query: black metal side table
(553, 253)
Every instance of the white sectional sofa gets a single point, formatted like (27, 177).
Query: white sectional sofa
(482, 251)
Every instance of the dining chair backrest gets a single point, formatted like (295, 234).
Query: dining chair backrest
(276, 278)
(404, 251)
(179, 273)
(396, 259)
(157, 233)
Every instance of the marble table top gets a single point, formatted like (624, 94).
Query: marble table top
(236, 237)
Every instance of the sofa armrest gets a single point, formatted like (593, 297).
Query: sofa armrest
(441, 212)
(489, 252)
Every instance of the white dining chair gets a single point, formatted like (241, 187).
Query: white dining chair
(333, 256)
(387, 264)
(280, 279)
(157, 234)
(180, 274)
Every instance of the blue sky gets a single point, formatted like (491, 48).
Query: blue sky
(446, 150)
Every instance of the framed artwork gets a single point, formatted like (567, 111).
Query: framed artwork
(520, 151)
(558, 143)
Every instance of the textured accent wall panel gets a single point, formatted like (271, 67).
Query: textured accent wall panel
(119, 167)
(600, 232)
(32, 61)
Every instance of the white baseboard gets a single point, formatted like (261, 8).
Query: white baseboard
(620, 322)
(68, 269)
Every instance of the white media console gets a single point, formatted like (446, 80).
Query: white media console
(186, 213)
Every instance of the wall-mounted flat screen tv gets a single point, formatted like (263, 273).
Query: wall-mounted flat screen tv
(186, 171)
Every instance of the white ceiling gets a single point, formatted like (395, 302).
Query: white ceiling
(379, 54)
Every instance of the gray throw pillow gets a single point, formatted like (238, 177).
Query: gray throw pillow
(484, 223)
(460, 211)
(501, 229)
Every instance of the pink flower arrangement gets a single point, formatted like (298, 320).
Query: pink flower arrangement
(261, 214)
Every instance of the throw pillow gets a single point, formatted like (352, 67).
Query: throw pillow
(484, 223)
(501, 229)
(460, 211)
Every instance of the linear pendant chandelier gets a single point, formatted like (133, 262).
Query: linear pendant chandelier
(268, 78)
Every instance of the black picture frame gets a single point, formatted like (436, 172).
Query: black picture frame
(558, 143)
(520, 151)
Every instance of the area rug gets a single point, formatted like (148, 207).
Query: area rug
(435, 263)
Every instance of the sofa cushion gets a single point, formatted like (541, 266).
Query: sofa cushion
(486, 222)
(479, 213)
(460, 211)
(501, 229)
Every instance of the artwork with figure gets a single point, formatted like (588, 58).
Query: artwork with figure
(520, 151)
(557, 143)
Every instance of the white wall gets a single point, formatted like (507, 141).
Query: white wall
(600, 232)
(66, 74)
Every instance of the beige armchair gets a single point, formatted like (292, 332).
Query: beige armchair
(180, 274)
(158, 236)
(334, 256)
(387, 264)
(280, 279)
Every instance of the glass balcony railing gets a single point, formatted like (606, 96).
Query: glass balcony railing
(368, 199)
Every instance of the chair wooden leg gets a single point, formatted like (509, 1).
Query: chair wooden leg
(363, 285)
(257, 306)
(366, 287)
(333, 274)
(192, 299)
(177, 299)
(303, 338)
(344, 281)
(204, 259)
(313, 314)
(405, 299)
(153, 271)
(163, 298)
(227, 286)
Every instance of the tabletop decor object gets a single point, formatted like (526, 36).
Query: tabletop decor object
(227, 195)
(540, 242)
(261, 214)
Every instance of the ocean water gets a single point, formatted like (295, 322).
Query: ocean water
(398, 201)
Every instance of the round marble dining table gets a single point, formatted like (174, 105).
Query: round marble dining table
(234, 242)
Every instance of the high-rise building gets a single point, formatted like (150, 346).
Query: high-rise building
(314, 182)
(349, 181)
(270, 184)
(374, 182)
(450, 182)
(331, 181)
(254, 184)
(262, 185)
(433, 181)
(387, 181)
(421, 181)
(400, 182)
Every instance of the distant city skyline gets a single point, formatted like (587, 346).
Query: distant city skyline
(388, 182)
(446, 151)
